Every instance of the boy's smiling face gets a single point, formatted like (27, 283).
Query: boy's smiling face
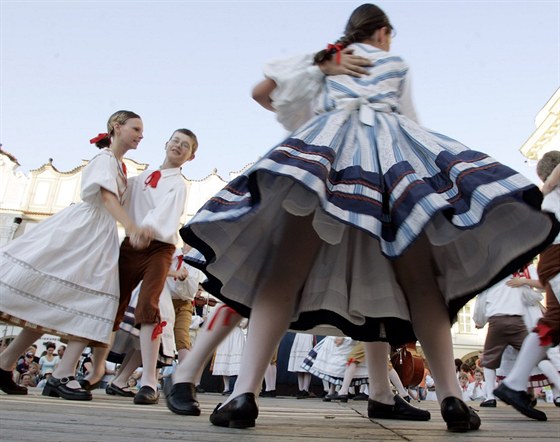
(179, 149)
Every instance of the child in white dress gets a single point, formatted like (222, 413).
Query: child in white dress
(62, 276)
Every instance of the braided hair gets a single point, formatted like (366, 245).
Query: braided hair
(119, 117)
(363, 22)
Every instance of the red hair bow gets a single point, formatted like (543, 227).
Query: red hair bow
(98, 138)
(337, 48)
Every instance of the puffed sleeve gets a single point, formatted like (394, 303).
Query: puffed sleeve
(298, 81)
(479, 312)
(100, 172)
(186, 289)
(164, 218)
(406, 106)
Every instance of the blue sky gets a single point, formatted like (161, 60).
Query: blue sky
(481, 70)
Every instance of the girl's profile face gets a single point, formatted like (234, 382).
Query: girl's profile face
(130, 132)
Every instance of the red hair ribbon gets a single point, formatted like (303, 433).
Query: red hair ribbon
(229, 313)
(545, 334)
(153, 179)
(158, 330)
(98, 138)
(337, 48)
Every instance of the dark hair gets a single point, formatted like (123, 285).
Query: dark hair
(547, 164)
(363, 22)
(50, 345)
(188, 133)
(119, 117)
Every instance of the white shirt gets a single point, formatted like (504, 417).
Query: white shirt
(158, 207)
(501, 300)
(476, 392)
(184, 290)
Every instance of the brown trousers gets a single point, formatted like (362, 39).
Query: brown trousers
(149, 266)
(183, 319)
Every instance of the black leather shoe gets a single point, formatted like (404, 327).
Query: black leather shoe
(489, 403)
(182, 399)
(268, 393)
(113, 390)
(519, 400)
(361, 397)
(146, 396)
(240, 412)
(401, 410)
(87, 386)
(7, 384)
(58, 388)
(458, 416)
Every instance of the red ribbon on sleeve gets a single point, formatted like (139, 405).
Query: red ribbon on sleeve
(337, 48)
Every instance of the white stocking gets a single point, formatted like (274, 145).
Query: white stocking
(131, 362)
(396, 381)
(67, 365)
(182, 354)
(489, 383)
(226, 382)
(150, 351)
(270, 377)
(529, 356)
(99, 358)
(9, 357)
(274, 302)
(304, 380)
(553, 376)
(348, 376)
(379, 386)
(222, 321)
(430, 318)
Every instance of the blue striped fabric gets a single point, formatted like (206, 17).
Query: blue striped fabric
(372, 169)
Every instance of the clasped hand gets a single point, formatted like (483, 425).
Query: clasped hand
(140, 237)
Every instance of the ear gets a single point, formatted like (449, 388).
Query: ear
(192, 157)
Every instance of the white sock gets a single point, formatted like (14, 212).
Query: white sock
(223, 321)
(489, 383)
(131, 362)
(150, 350)
(553, 376)
(376, 361)
(396, 381)
(9, 357)
(529, 356)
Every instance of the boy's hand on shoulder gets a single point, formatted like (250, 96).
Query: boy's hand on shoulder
(350, 64)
